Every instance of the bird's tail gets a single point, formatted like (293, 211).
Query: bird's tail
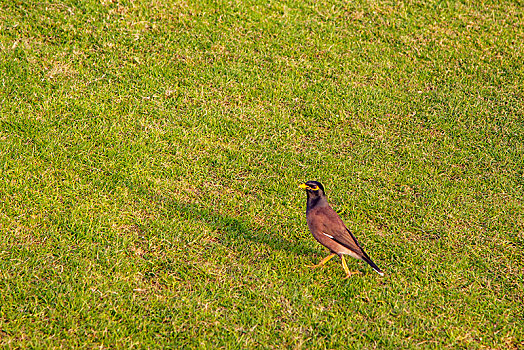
(367, 259)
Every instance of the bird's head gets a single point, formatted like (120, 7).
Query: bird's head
(313, 188)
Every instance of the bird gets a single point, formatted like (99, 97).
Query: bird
(329, 229)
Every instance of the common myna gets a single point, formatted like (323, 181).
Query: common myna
(329, 230)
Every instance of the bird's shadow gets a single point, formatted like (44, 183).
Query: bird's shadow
(234, 230)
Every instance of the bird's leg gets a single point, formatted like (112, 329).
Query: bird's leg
(323, 261)
(345, 266)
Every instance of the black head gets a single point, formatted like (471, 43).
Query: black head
(313, 189)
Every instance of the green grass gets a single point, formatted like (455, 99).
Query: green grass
(150, 154)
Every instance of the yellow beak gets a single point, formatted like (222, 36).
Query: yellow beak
(303, 186)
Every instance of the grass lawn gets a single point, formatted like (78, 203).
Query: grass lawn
(150, 153)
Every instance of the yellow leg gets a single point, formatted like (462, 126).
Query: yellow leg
(345, 266)
(323, 261)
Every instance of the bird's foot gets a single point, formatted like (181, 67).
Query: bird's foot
(323, 261)
(315, 266)
(351, 274)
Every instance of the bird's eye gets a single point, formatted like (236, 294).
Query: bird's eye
(314, 188)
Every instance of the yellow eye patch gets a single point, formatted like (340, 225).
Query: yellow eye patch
(306, 187)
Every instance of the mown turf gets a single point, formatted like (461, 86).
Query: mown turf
(151, 151)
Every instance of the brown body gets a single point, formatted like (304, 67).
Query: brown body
(329, 229)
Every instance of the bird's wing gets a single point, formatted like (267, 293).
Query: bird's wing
(333, 227)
